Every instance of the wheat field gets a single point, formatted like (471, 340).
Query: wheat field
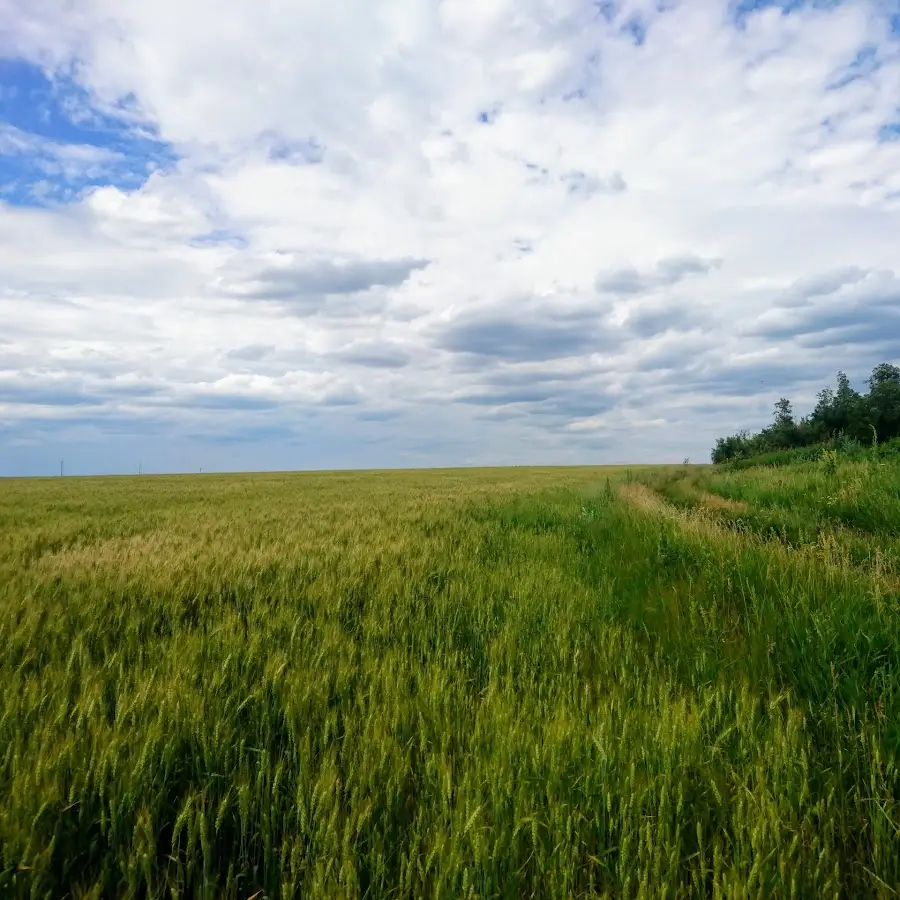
(505, 683)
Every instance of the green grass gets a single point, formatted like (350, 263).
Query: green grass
(466, 683)
(849, 449)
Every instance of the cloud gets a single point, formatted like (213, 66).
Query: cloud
(666, 273)
(15, 142)
(756, 376)
(251, 352)
(838, 308)
(13, 395)
(821, 285)
(515, 338)
(324, 278)
(374, 355)
(878, 332)
(225, 401)
(536, 392)
(651, 321)
(506, 398)
(582, 183)
(541, 260)
(378, 415)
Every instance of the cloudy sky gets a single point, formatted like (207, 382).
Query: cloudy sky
(270, 234)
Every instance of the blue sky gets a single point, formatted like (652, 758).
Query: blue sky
(254, 238)
(58, 143)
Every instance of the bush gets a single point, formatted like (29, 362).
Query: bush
(778, 457)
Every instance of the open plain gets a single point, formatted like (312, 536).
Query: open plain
(577, 682)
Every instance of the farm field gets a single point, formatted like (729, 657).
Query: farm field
(574, 682)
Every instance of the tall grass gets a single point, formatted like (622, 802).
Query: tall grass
(834, 491)
(454, 684)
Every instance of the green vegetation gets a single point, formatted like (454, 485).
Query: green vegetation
(843, 418)
(678, 682)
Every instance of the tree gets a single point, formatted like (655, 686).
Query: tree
(733, 447)
(842, 411)
(823, 417)
(784, 429)
(784, 414)
(883, 401)
(849, 410)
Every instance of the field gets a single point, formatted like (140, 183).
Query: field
(488, 683)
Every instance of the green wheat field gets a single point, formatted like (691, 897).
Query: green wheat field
(584, 682)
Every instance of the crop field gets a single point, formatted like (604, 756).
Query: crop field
(581, 682)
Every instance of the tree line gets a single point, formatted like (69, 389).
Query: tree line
(840, 413)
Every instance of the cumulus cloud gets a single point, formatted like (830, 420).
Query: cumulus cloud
(648, 322)
(512, 337)
(804, 290)
(847, 308)
(666, 273)
(251, 352)
(44, 395)
(324, 278)
(619, 230)
(374, 354)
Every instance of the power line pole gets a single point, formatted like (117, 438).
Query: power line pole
(60, 468)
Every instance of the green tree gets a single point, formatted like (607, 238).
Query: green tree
(842, 412)
(733, 447)
(823, 418)
(783, 432)
(883, 400)
(849, 410)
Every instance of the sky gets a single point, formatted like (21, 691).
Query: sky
(270, 235)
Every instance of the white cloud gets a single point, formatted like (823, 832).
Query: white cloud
(701, 179)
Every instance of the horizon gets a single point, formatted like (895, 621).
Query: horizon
(350, 471)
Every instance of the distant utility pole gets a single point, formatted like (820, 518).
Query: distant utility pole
(60, 468)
